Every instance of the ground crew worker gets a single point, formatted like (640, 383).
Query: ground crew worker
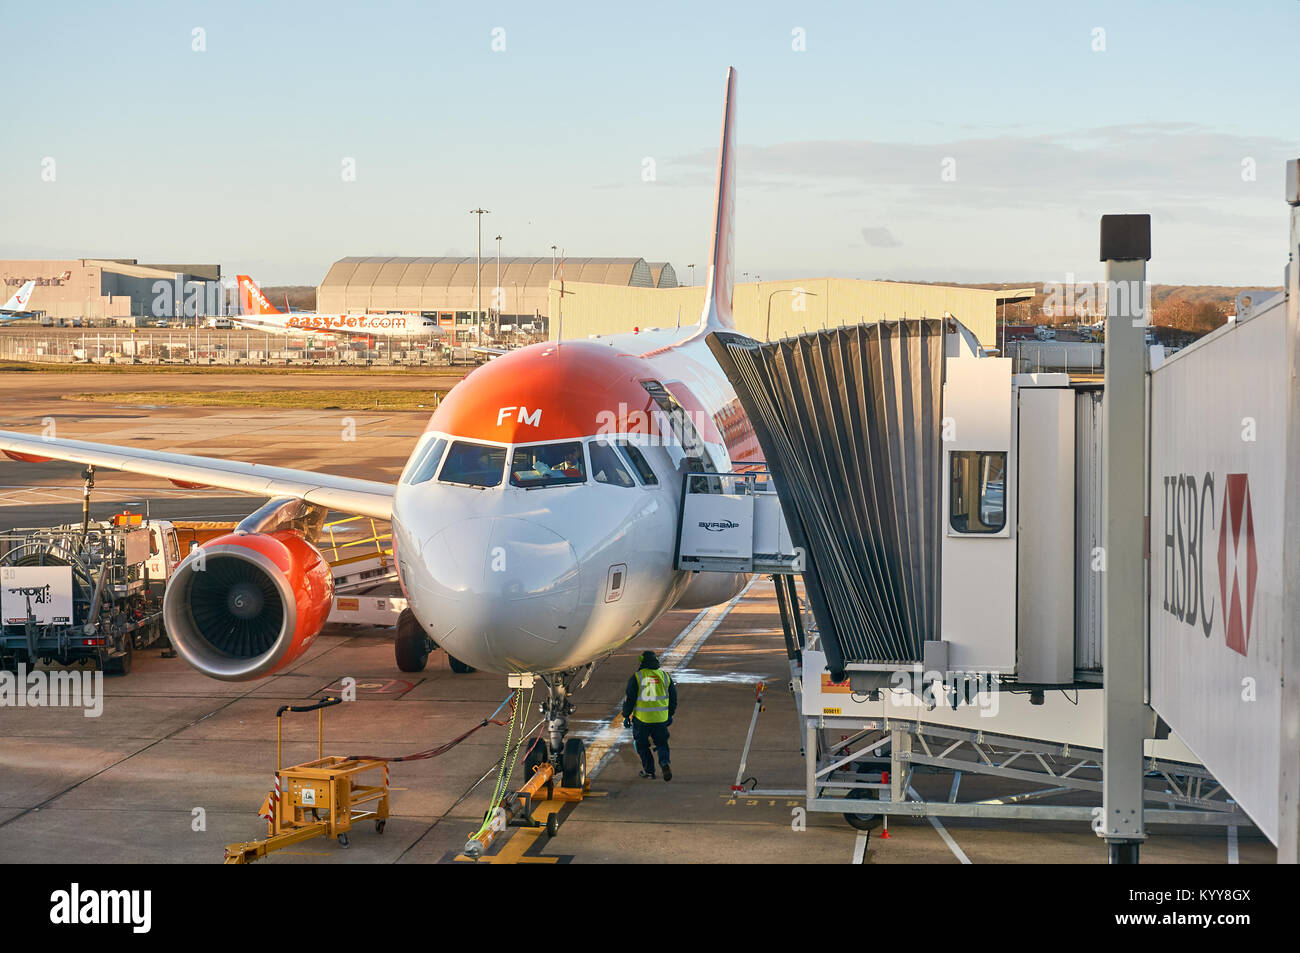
(648, 710)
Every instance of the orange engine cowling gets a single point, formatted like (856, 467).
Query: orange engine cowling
(246, 604)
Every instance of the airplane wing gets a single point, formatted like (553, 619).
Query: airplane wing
(362, 497)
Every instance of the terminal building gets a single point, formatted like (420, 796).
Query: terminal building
(117, 290)
(768, 310)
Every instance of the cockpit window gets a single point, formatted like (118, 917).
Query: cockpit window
(639, 461)
(473, 464)
(607, 466)
(426, 465)
(548, 464)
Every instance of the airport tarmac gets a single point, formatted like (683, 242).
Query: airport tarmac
(173, 747)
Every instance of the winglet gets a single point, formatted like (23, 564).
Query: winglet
(251, 299)
(721, 280)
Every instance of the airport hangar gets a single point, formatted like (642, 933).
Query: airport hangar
(448, 288)
(118, 290)
(613, 295)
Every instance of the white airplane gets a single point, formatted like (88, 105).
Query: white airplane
(260, 315)
(16, 307)
(534, 524)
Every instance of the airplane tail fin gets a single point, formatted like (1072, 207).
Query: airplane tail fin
(19, 301)
(721, 279)
(251, 299)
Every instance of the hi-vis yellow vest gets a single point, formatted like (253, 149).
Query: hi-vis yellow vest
(652, 703)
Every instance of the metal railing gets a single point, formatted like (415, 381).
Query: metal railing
(1076, 358)
(206, 347)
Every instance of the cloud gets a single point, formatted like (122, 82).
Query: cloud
(880, 238)
(1171, 164)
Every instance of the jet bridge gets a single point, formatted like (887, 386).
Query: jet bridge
(947, 513)
(849, 421)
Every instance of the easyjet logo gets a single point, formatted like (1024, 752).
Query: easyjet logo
(256, 292)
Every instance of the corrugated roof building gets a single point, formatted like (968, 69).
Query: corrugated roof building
(356, 285)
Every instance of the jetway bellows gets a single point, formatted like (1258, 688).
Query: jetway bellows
(849, 422)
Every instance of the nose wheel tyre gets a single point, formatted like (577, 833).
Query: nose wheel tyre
(412, 645)
(574, 764)
(535, 756)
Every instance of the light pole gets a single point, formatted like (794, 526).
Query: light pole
(497, 290)
(552, 262)
(692, 268)
(767, 333)
(478, 275)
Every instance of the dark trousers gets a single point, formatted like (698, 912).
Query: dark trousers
(642, 735)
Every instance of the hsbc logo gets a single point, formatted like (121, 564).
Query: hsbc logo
(1189, 517)
(1238, 566)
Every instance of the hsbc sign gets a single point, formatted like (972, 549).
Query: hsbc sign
(1190, 584)
(1216, 582)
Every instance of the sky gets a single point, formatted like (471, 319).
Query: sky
(928, 141)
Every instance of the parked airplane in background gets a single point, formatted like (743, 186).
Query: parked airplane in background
(534, 525)
(258, 314)
(16, 307)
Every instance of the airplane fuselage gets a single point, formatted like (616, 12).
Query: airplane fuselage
(515, 562)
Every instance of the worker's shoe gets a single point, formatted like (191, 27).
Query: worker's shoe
(647, 774)
(668, 772)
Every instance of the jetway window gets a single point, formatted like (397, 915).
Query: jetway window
(426, 465)
(607, 466)
(473, 464)
(978, 497)
(548, 464)
(638, 461)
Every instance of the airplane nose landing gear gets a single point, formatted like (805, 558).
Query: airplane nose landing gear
(567, 755)
(557, 709)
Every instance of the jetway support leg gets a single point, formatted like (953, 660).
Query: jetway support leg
(1125, 248)
(900, 748)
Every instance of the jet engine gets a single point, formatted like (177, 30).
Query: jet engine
(244, 605)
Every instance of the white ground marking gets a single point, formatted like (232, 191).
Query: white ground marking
(943, 832)
(860, 847)
(605, 745)
(1232, 843)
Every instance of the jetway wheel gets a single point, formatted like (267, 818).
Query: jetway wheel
(574, 764)
(412, 645)
(861, 822)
